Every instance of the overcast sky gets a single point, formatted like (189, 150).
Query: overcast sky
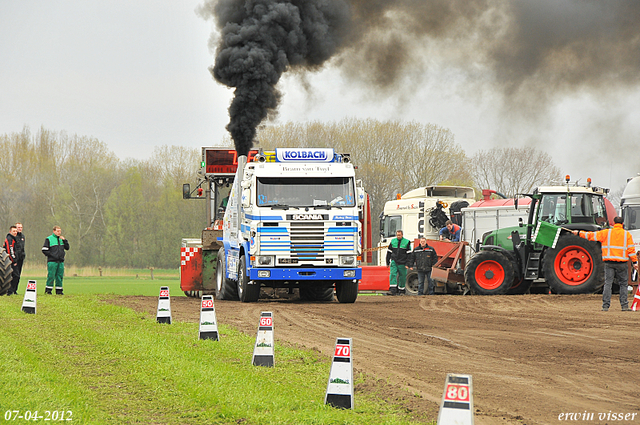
(134, 74)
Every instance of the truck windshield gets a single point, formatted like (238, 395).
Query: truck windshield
(631, 217)
(305, 192)
(389, 224)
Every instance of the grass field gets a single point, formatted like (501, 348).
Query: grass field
(104, 364)
(113, 281)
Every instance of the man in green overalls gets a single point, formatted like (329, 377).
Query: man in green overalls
(54, 249)
(397, 257)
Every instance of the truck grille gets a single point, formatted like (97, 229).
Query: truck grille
(307, 240)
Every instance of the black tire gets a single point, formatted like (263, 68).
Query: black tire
(411, 287)
(489, 273)
(347, 291)
(5, 272)
(316, 291)
(248, 293)
(520, 287)
(574, 266)
(225, 289)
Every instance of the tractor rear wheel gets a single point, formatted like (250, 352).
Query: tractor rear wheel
(574, 266)
(5, 272)
(225, 289)
(489, 273)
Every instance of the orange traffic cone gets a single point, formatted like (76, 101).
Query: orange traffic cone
(635, 306)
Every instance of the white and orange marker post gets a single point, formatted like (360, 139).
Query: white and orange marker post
(340, 386)
(208, 323)
(635, 305)
(164, 306)
(29, 302)
(456, 407)
(263, 351)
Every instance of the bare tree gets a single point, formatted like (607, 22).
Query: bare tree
(511, 171)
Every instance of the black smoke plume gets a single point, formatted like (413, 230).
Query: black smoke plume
(529, 51)
(260, 40)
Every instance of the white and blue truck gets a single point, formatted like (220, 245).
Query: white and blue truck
(292, 221)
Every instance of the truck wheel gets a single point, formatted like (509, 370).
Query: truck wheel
(489, 273)
(225, 289)
(347, 291)
(316, 291)
(574, 266)
(5, 272)
(411, 287)
(248, 293)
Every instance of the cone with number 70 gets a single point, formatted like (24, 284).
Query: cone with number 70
(340, 386)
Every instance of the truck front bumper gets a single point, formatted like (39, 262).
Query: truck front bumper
(332, 274)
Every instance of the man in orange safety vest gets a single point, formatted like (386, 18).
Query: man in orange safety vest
(617, 249)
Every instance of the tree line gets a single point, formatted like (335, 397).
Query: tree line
(130, 213)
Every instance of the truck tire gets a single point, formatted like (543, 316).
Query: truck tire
(5, 272)
(225, 289)
(316, 291)
(248, 293)
(574, 266)
(489, 273)
(347, 291)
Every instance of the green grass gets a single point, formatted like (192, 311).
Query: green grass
(111, 365)
(113, 281)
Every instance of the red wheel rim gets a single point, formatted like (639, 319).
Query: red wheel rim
(573, 265)
(489, 274)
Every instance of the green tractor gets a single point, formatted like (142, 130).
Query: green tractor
(543, 255)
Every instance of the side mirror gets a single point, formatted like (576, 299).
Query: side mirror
(186, 191)
(246, 198)
(360, 196)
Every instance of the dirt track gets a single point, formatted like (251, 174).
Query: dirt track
(532, 357)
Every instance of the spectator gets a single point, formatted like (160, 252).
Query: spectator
(397, 258)
(54, 249)
(20, 256)
(10, 247)
(423, 258)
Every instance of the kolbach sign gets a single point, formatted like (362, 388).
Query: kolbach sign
(304, 155)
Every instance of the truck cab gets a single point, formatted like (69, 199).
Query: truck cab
(292, 221)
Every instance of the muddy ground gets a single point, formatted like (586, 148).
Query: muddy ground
(532, 357)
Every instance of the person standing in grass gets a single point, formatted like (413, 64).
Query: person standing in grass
(20, 256)
(10, 247)
(54, 249)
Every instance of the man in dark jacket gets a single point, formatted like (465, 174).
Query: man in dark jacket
(54, 249)
(20, 256)
(397, 258)
(423, 258)
(10, 247)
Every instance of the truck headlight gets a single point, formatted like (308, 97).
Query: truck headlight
(264, 273)
(347, 260)
(265, 260)
(349, 273)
